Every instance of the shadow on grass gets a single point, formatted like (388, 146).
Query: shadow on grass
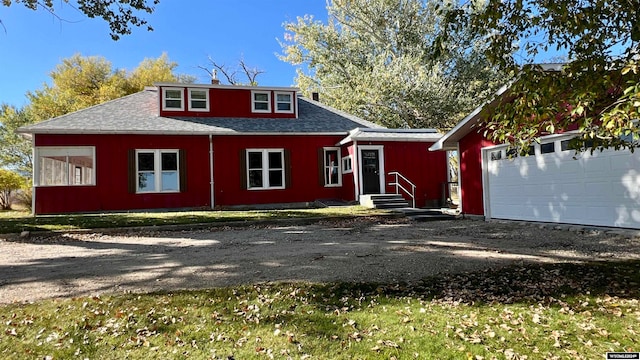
(525, 284)
(124, 220)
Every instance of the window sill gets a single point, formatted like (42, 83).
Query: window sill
(64, 185)
(158, 192)
(266, 188)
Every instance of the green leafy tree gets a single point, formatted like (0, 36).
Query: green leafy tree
(597, 91)
(372, 59)
(121, 15)
(9, 183)
(78, 82)
(15, 151)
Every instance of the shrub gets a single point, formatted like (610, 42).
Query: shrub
(9, 182)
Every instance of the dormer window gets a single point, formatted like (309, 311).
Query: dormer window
(260, 101)
(284, 102)
(198, 100)
(172, 99)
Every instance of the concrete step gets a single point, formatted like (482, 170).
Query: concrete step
(391, 205)
(425, 214)
(384, 201)
(390, 201)
(431, 217)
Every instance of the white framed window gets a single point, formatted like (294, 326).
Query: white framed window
(172, 98)
(332, 173)
(157, 171)
(495, 155)
(261, 101)
(198, 99)
(265, 169)
(284, 102)
(347, 164)
(65, 166)
(547, 148)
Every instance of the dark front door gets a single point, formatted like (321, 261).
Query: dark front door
(370, 172)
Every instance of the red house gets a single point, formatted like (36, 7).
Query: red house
(177, 146)
(552, 184)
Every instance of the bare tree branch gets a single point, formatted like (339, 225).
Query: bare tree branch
(250, 73)
(231, 74)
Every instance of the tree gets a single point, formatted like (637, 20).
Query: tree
(120, 14)
(231, 74)
(597, 91)
(9, 182)
(372, 59)
(78, 82)
(15, 151)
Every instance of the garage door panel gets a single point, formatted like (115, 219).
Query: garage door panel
(572, 189)
(591, 189)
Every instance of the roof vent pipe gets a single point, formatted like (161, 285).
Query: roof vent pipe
(214, 77)
(315, 96)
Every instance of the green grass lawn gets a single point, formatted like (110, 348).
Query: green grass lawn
(17, 221)
(527, 312)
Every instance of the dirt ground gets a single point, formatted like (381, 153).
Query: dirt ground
(365, 249)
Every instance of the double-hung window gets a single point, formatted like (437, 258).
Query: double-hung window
(172, 99)
(261, 101)
(198, 100)
(265, 169)
(157, 171)
(332, 173)
(64, 166)
(284, 102)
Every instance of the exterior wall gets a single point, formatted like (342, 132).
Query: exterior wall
(471, 172)
(232, 103)
(111, 192)
(348, 180)
(426, 169)
(305, 171)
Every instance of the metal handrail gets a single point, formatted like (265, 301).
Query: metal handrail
(399, 186)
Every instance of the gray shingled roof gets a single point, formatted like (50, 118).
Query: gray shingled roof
(138, 113)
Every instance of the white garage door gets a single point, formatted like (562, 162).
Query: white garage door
(560, 186)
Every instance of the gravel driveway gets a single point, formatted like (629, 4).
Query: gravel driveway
(365, 249)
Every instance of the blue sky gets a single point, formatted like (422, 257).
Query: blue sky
(188, 31)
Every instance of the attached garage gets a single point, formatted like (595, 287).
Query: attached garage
(556, 184)
(551, 183)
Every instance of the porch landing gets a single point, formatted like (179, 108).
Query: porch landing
(396, 203)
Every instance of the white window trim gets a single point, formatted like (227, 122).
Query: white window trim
(325, 166)
(62, 151)
(157, 169)
(347, 169)
(265, 169)
(253, 101)
(275, 96)
(206, 99)
(164, 99)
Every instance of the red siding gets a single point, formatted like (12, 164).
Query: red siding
(233, 103)
(426, 169)
(111, 190)
(305, 171)
(348, 183)
(471, 172)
